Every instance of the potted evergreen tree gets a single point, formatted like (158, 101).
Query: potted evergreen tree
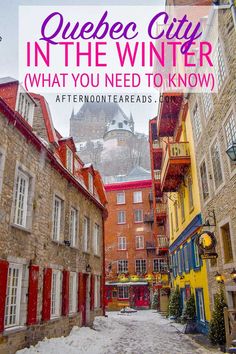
(189, 315)
(217, 325)
(155, 300)
(174, 308)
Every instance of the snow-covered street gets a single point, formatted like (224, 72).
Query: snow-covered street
(144, 332)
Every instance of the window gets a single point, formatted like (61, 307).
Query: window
(25, 107)
(96, 239)
(204, 180)
(2, 163)
(123, 292)
(73, 227)
(97, 292)
(73, 292)
(90, 182)
(179, 262)
(120, 125)
(55, 293)
(69, 159)
(121, 243)
(181, 196)
(86, 234)
(227, 244)
(196, 255)
(160, 265)
(220, 64)
(216, 164)
(176, 215)
(138, 215)
(190, 193)
(208, 103)
(121, 217)
(122, 266)
(171, 225)
(230, 130)
(174, 264)
(140, 266)
(21, 198)
(186, 259)
(57, 211)
(137, 197)
(197, 121)
(13, 298)
(120, 198)
(200, 305)
(139, 242)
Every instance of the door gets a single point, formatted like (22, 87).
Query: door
(142, 296)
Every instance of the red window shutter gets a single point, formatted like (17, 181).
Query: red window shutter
(92, 292)
(47, 285)
(80, 292)
(33, 294)
(3, 290)
(65, 293)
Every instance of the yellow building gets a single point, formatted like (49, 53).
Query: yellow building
(179, 181)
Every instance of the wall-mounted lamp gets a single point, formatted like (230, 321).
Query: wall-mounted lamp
(219, 278)
(88, 268)
(231, 151)
(233, 275)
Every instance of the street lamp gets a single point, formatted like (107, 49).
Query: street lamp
(233, 275)
(231, 151)
(219, 278)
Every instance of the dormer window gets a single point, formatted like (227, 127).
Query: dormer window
(25, 107)
(69, 160)
(90, 182)
(120, 125)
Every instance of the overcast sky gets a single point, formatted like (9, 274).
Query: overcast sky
(61, 111)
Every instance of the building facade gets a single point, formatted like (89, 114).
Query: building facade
(214, 124)
(133, 268)
(52, 209)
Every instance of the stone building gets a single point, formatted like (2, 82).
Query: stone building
(134, 266)
(214, 124)
(52, 209)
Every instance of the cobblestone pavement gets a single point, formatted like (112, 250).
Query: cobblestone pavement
(147, 332)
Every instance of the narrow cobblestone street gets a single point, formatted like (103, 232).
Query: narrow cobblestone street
(144, 332)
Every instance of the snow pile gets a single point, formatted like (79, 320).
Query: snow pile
(81, 339)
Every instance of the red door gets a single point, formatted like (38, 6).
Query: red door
(142, 296)
(84, 292)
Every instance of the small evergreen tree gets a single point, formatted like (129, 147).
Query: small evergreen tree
(174, 308)
(155, 301)
(189, 311)
(217, 325)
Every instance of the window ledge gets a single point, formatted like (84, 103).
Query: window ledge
(22, 228)
(97, 256)
(86, 252)
(14, 329)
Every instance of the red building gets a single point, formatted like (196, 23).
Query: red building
(134, 265)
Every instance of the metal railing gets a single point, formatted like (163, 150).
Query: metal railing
(149, 217)
(174, 151)
(157, 175)
(156, 144)
(162, 241)
(150, 245)
(161, 208)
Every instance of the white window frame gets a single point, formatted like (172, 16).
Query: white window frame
(138, 212)
(56, 219)
(73, 226)
(97, 291)
(22, 110)
(137, 197)
(120, 198)
(121, 220)
(196, 254)
(221, 74)
(160, 265)
(73, 290)
(208, 105)
(17, 303)
(122, 266)
(139, 263)
(216, 140)
(204, 161)
(123, 290)
(197, 123)
(121, 243)
(230, 115)
(21, 205)
(86, 227)
(201, 305)
(96, 239)
(139, 242)
(69, 159)
(56, 285)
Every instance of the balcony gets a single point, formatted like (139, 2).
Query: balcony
(175, 164)
(149, 217)
(162, 244)
(157, 175)
(169, 114)
(150, 245)
(156, 144)
(161, 209)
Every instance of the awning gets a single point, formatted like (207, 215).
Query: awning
(127, 283)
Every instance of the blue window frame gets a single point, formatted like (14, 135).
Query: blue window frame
(179, 262)
(186, 257)
(196, 260)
